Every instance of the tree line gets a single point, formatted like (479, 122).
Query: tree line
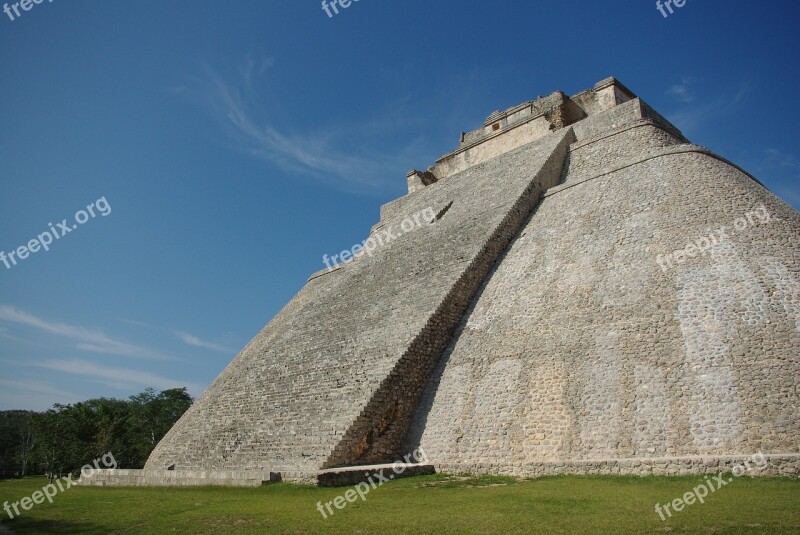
(66, 437)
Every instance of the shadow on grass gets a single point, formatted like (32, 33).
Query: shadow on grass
(21, 526)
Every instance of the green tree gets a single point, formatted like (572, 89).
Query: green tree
(26, 446)
(56, 442)
(153, 416)
(66, 437)
(11, 422)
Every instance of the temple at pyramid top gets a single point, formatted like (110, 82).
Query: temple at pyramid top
(503, 131)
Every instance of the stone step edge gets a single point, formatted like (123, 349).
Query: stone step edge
(332, 477)
(761, 465)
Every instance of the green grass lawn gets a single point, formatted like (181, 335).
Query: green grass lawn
(428, 504)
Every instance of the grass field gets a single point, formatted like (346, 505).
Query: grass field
(428, 504)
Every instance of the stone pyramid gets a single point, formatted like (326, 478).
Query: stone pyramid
(575, 289)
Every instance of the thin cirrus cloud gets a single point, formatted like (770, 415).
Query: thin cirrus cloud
(187, 338)
(779, 168)
(86, 339)
(784, 169)
(121, 378)
(694, 115)
(194, 341)
(777, 159)
(682, 91)
(232, 102)
(36, 387)
(33, 394)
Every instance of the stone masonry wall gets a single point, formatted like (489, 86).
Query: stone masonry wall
(287, 400)
(493, 146)
(603, 121)
(582, 355)
(589, 157)
(378, 433)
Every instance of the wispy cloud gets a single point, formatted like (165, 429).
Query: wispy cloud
(6, 334)
(87, 339)
(319, 154)
(36, 387)
(295, 153)
(777, 159)
(121, 378)
(194, 341)
(695, 114)
(136, 323)
(35, 395)
(252, 67)
(682, 91)
(183, 336)
(783, 170)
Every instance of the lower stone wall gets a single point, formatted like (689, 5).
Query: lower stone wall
(787, 465)
(375, 474)
(773, 465)
(250, 478)
(177, 478)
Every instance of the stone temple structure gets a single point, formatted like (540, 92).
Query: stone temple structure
(585, 292)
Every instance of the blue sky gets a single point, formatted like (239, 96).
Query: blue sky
(237, 142)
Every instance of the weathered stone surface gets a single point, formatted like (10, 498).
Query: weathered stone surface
(341, 477)
(775, 465)
(580, 346)
(179, 478)
(333, 477)
(550, 320)
(333, 379)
